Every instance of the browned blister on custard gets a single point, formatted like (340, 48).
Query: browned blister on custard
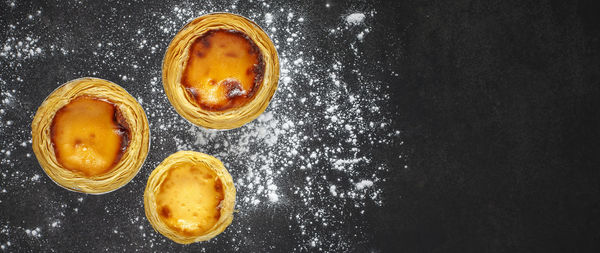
(223, 70)
(89, 135)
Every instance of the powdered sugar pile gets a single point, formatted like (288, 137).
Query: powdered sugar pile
(308, 164)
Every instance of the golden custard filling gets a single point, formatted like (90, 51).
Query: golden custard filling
(224, 70)
(189, 199)
(89, 135)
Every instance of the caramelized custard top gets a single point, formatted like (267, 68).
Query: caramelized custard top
(89, 136)
(224, 70)
(189, 199)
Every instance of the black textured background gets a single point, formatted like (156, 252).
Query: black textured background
(498, 102)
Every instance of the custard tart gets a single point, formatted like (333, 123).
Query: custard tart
(89, 135)
(189, 197)
(220, 71)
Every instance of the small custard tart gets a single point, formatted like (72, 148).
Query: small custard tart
(90, 136)
(220, 71)
(189, 197)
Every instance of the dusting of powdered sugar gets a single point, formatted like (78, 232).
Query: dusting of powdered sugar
(313, 129)
(307, 165)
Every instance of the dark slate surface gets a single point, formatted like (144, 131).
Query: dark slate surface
(498, 104)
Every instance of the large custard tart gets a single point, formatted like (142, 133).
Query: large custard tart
(189, 197)
(90, 136)
(220, 71)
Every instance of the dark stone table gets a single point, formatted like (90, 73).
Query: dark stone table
(416, 126)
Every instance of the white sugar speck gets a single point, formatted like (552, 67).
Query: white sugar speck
(355, 18)
(332, 190)
(360, 36)
(364, 184)
(268, 18)
(55, 224)
(273, 197)
(287, 80)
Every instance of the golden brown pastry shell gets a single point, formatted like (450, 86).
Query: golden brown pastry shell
(159, 175)
(176, 57)
(132, 159)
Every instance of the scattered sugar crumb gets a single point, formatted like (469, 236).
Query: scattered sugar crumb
(364, 184)
(355, 18)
